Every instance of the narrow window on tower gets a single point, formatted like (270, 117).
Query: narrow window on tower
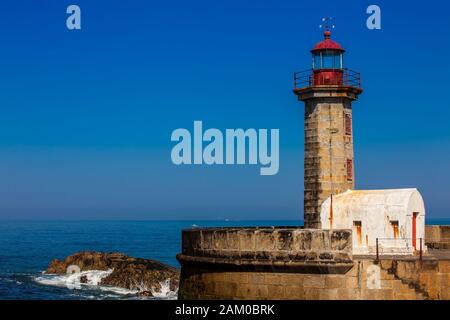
(349, 170)
(348, 124)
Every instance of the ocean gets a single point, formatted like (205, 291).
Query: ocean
(27, 247)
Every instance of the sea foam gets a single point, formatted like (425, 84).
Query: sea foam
(93, 280)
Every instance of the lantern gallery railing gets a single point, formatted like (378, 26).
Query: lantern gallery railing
(320, 77)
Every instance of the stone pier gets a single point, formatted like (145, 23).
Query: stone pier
(302, 264)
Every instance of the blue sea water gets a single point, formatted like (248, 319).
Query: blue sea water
(27, 247)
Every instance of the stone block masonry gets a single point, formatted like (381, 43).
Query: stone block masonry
(329, 160)
(354, 285)
(431, 276)
(437, 237)
(297, 263)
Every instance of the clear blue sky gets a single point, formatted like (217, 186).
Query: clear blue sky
(86, 116)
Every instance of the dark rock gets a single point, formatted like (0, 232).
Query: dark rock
(145, 294)
(83, 279)
(131, 273)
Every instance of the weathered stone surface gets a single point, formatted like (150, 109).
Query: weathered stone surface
(437, 237)
(335, 281)
(302, 256)
(429, 278)
(328, 146)
(296, 263)
(314, 281)
(341, 241)
(278, 285)
(283, 244)
(444, 266)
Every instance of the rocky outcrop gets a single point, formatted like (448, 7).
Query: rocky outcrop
(143, 275)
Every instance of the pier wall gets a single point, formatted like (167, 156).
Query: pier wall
(437, 237)
(287, 263)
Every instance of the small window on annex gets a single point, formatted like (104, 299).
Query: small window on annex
(395, 232)
(357, 228)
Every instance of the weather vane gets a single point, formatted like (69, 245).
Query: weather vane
(326, 23)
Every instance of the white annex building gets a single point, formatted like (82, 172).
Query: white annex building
(396, 217)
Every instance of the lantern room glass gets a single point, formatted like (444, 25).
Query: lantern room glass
(317, 61)
(327, 60)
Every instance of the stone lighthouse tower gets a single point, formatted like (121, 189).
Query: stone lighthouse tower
(328, 90)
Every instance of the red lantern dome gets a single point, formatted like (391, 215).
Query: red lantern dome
(327, 67)
(327, 44)
(328, 62)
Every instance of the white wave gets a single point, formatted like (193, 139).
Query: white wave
(93, 279)
(118, 290)
(164, 292)
(54, 280)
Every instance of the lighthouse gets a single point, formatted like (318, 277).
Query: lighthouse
(328, 90)
(341, 252)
